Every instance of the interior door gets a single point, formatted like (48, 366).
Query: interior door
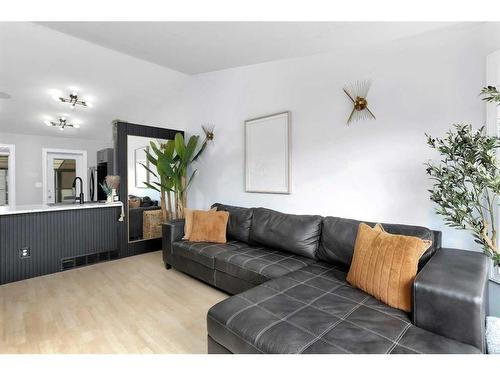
(62, 168)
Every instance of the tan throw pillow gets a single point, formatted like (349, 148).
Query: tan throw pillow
(384, 265)
(209, 226)
(188, 221)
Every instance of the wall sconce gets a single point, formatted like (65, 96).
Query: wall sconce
(358, 92)
(208, 129)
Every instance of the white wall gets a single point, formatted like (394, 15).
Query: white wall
(29, 160)
(371, 170)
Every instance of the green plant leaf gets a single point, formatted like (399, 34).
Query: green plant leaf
(180, 148)
(149, 169)
(190, 180)
(164, 166)
(151, 158)
(155, 148)
(202, 148)
(151, 186)
(190, 148)
(170, 149)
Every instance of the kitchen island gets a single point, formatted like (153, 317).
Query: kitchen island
(40, 239)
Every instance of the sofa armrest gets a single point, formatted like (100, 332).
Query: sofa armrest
(171, 231)
(450, 296)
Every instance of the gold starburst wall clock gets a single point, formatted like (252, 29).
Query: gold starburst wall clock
(357, 92)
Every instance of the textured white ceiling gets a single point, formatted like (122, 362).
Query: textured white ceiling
(199, 47)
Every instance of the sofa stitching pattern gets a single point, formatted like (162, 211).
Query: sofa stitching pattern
(296, 326)
(257, 257)
(276, 263)
(347, 298)
(281, 260)
(351, 322)
(265, 299)
(245, 252)
(396, 342)
(265, 329)
(202, 248)
(320, 337)
(232, 243)
(328, 312)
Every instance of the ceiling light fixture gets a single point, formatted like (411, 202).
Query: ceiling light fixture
(73, 100)
(63, 123)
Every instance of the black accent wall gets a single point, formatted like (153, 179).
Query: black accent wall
(52, 236)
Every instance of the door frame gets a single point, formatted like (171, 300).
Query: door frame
(11, 176)
(46, 151)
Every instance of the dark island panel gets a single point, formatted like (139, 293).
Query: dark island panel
(53, 240)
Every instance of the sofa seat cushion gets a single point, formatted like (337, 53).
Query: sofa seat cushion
(314, 310)
(204, 252)
(257, 264)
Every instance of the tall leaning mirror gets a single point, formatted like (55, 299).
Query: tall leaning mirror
(144, 209)
(142, 230)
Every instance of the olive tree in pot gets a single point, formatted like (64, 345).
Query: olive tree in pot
(467, 180)
(171, 160)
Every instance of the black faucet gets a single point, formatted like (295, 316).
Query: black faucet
(80, 199)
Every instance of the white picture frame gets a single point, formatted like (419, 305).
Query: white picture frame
(268, 154)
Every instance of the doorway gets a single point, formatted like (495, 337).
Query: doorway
(60, 169)
(7, 173)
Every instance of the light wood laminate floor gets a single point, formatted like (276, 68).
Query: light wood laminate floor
(131, 305)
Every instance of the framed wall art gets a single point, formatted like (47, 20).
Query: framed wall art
(268, 154)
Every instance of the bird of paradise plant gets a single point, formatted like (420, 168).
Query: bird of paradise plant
(171, 160)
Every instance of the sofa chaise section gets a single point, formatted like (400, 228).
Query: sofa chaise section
(314, 310)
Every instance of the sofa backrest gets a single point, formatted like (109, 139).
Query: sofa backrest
(240, 220)
(339, 235)
(297, 234)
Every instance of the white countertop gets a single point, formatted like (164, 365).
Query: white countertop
(25, 209)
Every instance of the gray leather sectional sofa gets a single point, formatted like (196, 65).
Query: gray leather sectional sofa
(286, 274)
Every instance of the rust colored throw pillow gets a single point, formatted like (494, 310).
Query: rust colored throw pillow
(188, 222)
(384, 265)
(209, 226)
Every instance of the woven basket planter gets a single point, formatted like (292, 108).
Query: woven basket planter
(151, 226)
